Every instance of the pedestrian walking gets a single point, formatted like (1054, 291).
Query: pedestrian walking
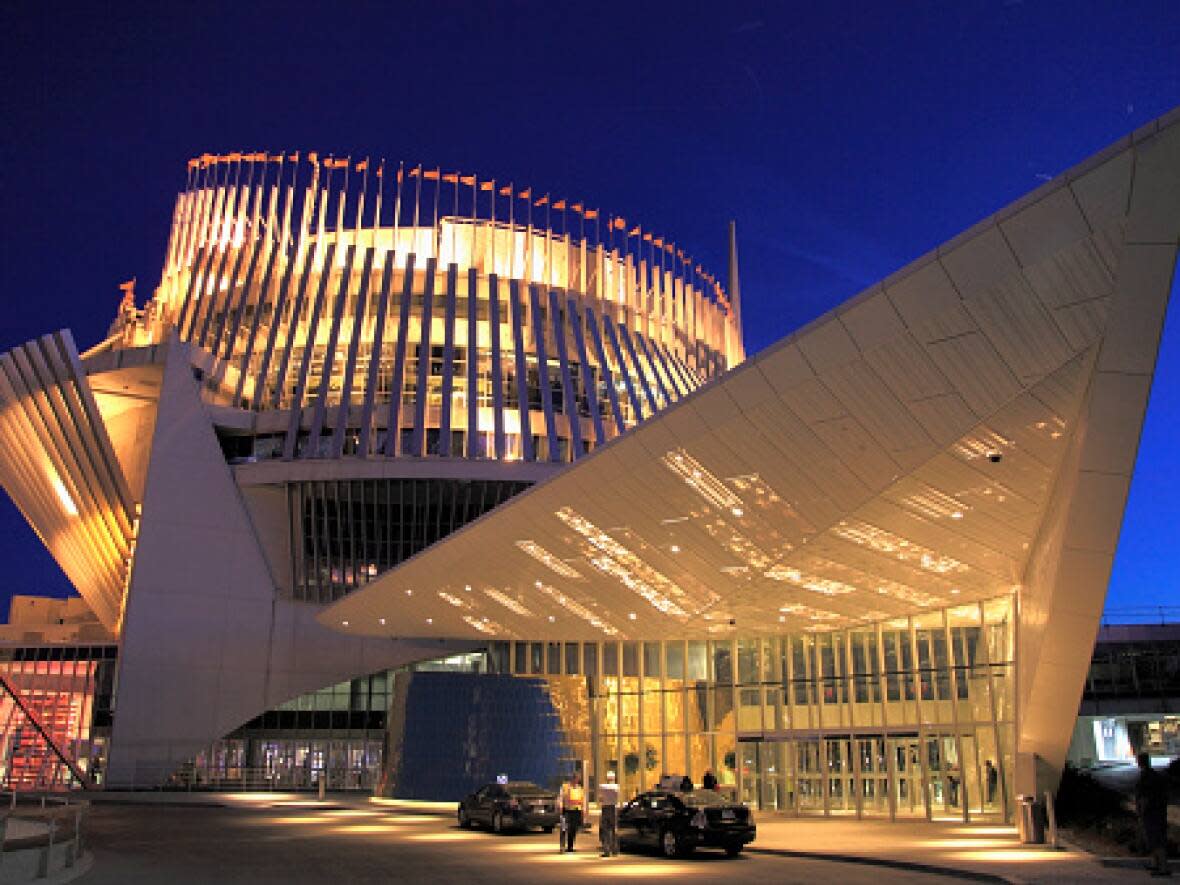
(608, 816)
(993, 781)
(573, 804)
(1151, 801)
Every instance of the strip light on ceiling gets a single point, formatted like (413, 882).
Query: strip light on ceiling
(814, 583)
(901, 549)
(621, 563)
(576, 608)
(701, 481)
(508, 602)
(543, 556)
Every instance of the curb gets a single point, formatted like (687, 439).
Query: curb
(910, 866)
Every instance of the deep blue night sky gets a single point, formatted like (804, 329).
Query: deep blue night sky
(846, 139)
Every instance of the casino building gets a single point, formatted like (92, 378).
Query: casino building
(378, 423)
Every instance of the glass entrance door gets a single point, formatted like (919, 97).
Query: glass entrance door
(765, 783)
(809, 778)
(840, 775)
(907, 784)
(874, 776)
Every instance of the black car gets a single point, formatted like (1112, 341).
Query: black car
(676, 822)
(516, 805)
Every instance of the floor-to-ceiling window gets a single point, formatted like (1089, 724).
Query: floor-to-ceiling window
(910, 717)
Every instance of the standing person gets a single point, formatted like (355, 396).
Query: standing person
(573, 804)
(993, 781)
(709, 782)
(608, 818)
(686, 784)
(1151, 801)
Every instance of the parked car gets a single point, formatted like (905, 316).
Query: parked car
(676, 822)
(516, 805)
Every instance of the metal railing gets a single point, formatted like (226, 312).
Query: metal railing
(58, 823)
(261, 778)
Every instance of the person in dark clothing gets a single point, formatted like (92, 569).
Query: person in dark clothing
(1151, 801)
(993, 780)
(709, 782)
(686, 784)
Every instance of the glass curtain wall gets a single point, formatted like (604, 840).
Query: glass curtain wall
(911, 717)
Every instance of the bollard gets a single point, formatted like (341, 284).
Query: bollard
(1051, 815)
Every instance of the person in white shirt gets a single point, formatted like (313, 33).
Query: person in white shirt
(608, 818)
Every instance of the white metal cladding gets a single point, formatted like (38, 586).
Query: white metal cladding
(61, 470)
(912, 449)
(262, 271)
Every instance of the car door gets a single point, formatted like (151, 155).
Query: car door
(629, 819)
(643, 822)
(481, 809)
(658, 809)
(496, 797)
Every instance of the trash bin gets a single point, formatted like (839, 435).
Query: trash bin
(1030, 820)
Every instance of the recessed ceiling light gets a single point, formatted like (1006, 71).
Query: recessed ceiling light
(430, 620)
(538, 584)
(737, 511)
(552, 619)
(409, 593)
(631, 615)
(381, 621)
(675, 548)
(954, 591)
(782, 619)
(467, 587)
(345, 623)
(958, 514)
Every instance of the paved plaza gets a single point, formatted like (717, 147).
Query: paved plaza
(289, 838)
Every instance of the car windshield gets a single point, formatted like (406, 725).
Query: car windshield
(704, 799)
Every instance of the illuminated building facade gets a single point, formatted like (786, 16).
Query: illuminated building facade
(860, 572)
(343, 362)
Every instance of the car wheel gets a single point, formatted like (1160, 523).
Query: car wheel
(497, 823)
(670, 844)
(464, 820)
(734, 850)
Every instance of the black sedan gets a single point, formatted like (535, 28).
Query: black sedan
(676, 822)
(516, 805)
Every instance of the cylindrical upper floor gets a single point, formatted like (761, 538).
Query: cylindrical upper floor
(476, 320)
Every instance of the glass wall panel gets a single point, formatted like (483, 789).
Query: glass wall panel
(909, 718)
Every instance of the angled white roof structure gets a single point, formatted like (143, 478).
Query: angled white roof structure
(966, 428)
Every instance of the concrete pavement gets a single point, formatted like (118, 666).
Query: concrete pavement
(833, 849)
(299, 842)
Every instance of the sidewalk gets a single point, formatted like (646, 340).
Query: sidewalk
(980, 851)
